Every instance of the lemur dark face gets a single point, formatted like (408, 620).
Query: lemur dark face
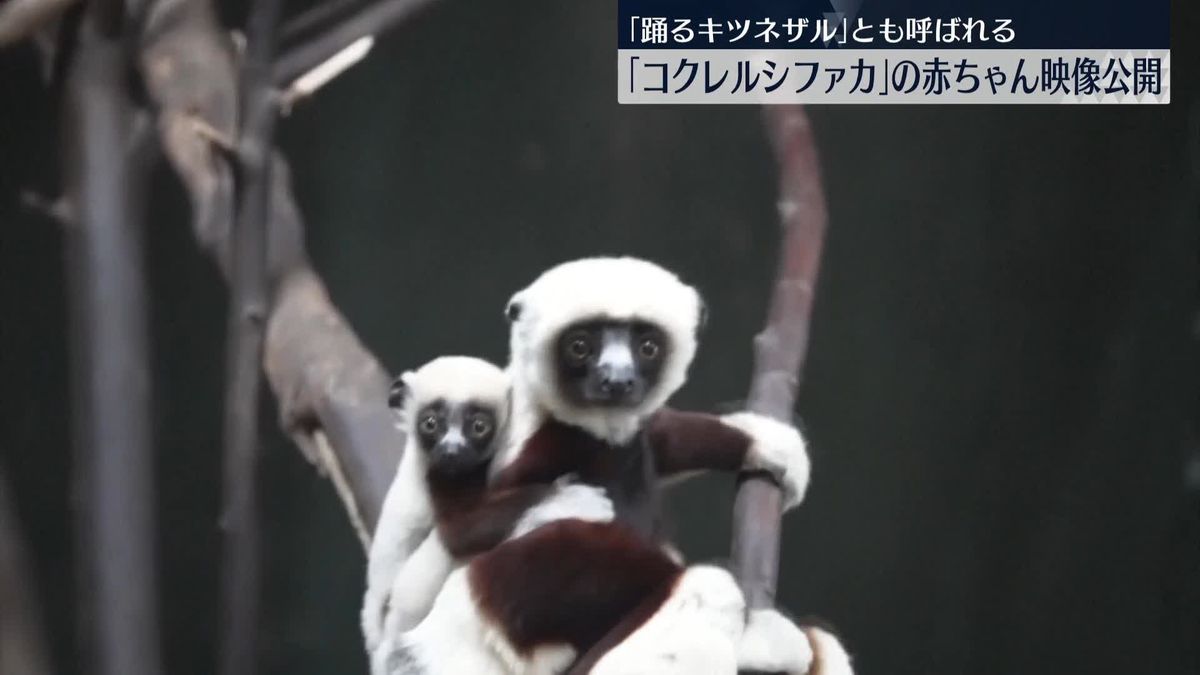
(456, 437)
(609, 363)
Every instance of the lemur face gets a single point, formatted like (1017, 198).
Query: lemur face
(456, 437)
(454, 411)
(609, 363)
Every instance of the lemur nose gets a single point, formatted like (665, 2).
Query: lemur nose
(616, 385)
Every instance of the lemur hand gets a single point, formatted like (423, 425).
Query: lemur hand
(776, 447)
(585, 502)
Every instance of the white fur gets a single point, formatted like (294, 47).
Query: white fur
(694, 631)
(829, 656)
(612, 288)
(776, 447)
(772, 643)
(584, 502)
(407, 516)
(406, 519)
(456, 378)
(455, 639)
(449, 640)
(416, 585)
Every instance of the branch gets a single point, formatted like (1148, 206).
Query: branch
(20, 19)
(779, 350)
(371, 20)
(22, 648)
(187, 65)
(316, 18)
(332, 393)
(106, 179)
(247, 314)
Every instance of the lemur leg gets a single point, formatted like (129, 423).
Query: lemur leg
(416, 585)
(405, 521)
(451, 639)
(455, 638)
(772, 643)
(694, 631)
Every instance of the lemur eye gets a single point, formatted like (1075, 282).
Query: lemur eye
(480, 427)
(649, 349)
(578, 348)
(429, 424)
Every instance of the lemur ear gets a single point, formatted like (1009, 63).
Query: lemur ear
(399, 390)
(702, 318)
(512, 311)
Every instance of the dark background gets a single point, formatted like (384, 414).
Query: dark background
(1001, 390)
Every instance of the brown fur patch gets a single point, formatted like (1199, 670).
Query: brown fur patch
(570, 582)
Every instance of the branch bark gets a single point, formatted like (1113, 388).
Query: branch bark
(106, 179)
(247, 315)
(780, 348)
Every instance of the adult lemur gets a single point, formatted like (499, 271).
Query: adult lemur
(598, 346)
(454, 411)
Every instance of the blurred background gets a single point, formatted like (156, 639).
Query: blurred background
(1001, 391)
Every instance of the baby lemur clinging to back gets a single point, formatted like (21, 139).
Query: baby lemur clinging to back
(454, 411)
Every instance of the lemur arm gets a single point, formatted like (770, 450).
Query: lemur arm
(693, 441)
(684, 442)
(523, 496)
(541, 460)
(482, 525)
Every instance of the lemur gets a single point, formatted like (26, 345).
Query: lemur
(454, 411)
(598, 345)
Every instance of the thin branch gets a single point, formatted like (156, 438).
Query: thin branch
(779, 350)
(317, 18)
(307, 84)
(106, 179)
(22, 646)
(371, 20)
(247, 316)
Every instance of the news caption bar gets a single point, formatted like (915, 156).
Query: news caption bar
(1034, 56)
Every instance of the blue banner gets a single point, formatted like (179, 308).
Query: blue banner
(894, 24)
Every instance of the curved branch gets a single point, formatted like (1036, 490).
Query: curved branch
(780, 348)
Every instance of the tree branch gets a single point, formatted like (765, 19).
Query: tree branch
(247, 315)
(332, 393)
(106, 179)
(372, 19)
(316, 19)
(20, 19)
(779, 350)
